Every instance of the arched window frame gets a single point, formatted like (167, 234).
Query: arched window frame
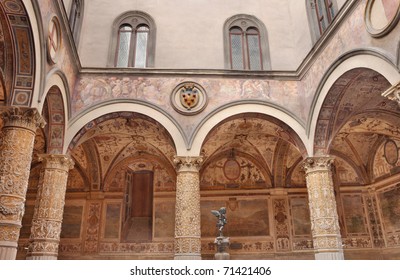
(246, 23)
(76, 18)
(320, 15)
(134, 19)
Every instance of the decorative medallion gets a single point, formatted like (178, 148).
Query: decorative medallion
(53, 40)
(381, 16)
(391, 152)
(189, 98)
(232, 169)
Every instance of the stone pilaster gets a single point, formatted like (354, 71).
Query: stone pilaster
(16, 147)
(323, 211)
(187, 209)
(49, 207)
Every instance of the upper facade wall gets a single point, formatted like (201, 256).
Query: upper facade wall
(190, 33)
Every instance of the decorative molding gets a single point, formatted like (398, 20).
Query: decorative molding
(379, 31)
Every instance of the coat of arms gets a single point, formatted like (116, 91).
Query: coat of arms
(189, 96)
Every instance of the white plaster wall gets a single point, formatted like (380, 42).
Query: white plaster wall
(189, 32)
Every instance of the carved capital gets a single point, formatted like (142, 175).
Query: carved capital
(28, 118)
(393, 93)
(60, 162)
(313, 164)
(188, 164)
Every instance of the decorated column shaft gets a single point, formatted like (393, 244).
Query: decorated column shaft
(16, 147)
(187, 209)
(323, 212)
(49, 207)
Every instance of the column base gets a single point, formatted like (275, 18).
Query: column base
(48, 258)
(187, 257)
(8, 253)
(329, 255)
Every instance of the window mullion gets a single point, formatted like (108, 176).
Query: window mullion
(132, 50)
(245, 52)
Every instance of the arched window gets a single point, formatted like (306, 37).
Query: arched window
(246, 44)
(133, 41)
(321, 14)
(75, 18)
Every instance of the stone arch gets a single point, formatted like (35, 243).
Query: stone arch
(353, 60)
(53, 112)
(268, 110)
(173, 128)
(24, 79)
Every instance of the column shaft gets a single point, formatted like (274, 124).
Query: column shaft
(187, 209)
(16, 147)
(323, 211)
(49, 207)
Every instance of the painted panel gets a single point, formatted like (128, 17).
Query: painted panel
(72, 222)
(245, 218)
(112, 223)
(164, 223)
(390, 206)
(300, 216)
(354, 214)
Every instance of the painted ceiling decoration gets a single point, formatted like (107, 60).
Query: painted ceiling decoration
(17, 22)
(249, 151)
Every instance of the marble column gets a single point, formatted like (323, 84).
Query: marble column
(16, 147)
(187, 209)
(323, 212)
(49, 207)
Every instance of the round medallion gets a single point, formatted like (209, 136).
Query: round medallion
(53, 40)
(391, 152)
(232, 169)
(189, 98)
(381, 16)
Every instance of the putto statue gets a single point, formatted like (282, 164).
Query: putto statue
(221, 215)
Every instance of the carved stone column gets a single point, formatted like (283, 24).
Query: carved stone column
(187, 209)
(16, 147)
(323, 211)
(49, 207)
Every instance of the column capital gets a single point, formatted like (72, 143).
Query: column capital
(312, 164)
(393, 93)
(63, 162)
(188, 164)
(24, 117)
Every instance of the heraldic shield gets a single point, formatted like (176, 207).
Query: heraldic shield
(189, 96)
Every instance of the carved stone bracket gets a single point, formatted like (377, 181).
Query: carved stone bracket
(393, 93)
